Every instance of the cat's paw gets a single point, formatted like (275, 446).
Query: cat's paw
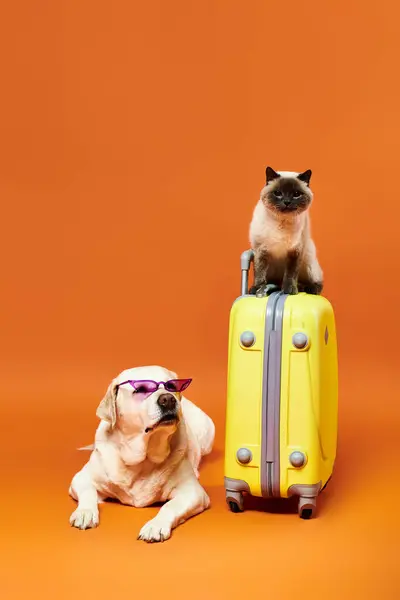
(258, 290)
(265, 289)
(313, 288)
(290, 287)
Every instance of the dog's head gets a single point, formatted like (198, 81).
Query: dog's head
(135, 403)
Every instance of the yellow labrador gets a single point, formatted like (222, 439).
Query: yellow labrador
(147, 449)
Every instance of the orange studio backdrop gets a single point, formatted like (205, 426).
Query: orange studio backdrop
(134, 139)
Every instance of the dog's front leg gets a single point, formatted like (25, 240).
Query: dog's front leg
(187, 500)
(83, 490)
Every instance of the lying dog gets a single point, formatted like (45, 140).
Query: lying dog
(147, 449)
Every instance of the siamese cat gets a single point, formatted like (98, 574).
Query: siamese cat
(284, 253)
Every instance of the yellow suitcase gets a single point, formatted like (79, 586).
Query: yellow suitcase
(282, 399)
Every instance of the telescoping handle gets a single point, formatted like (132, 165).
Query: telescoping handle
(245, 261)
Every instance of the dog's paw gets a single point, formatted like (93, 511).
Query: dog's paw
(84, 518)
(155, 530)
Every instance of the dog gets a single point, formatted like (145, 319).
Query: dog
(148, 447)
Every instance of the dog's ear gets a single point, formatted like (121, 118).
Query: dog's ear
(107, 409)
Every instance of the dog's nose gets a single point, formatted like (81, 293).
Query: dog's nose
(166, 401)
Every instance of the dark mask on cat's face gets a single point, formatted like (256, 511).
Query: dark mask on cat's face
(287, 194)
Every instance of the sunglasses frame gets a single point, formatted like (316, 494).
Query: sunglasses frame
(132, 382)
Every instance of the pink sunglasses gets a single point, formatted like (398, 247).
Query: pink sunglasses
(146, 387)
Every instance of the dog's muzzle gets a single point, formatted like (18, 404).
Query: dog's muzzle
(169, 411)
(167, 403)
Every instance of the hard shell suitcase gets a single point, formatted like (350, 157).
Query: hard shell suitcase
(282, 397)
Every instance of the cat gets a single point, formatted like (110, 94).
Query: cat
(284, 252)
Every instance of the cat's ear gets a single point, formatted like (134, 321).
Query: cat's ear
(306, 176)
(271, 174)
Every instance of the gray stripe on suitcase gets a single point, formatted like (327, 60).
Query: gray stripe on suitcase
(266, 483)
(270, 479)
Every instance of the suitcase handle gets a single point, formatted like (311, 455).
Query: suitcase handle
(245, 261)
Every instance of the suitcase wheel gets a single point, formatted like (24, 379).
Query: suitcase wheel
(306, 513)
(235, 501)
(235, 508)
(307, 507)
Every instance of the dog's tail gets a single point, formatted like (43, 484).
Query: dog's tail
(90, 447)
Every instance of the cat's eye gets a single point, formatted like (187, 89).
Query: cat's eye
(278, 193)
(297, 194)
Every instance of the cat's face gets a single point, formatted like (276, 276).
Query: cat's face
(287, 193)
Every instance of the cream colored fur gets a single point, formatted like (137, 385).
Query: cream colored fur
(139, 468)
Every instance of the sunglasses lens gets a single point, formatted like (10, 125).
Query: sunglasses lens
(171, 386)
(177, 385)
(185, 384)
(145, 387)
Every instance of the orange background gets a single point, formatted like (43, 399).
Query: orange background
(134, 138)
